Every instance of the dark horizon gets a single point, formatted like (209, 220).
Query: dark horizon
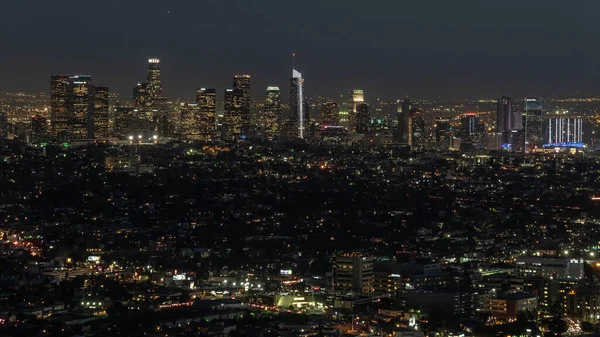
(426, 49)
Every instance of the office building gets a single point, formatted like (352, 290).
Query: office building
(80, 106)
(472, 128)
(298, 116)
(241, 88)
(100, 112)
(583, 305)
(403, 110)
(232, 114)
(358, 98)
(272, 113)
(59, 107)
(509, 125)
(207, 120)
(564, 132)
(353, 274)
(533, 121)
(443, 133)
(38, 131)
(190, 121)
(508, 306)
(330, 113)
(533, 266)
(126, 119)
(149, 99)
(416, 128)
(363, 118)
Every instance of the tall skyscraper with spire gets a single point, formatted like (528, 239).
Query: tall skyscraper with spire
(297, 102)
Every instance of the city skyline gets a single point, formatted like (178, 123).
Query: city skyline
(452, 52)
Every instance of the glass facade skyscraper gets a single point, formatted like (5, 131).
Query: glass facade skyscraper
(272, 112)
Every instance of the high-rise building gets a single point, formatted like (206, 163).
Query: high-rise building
(298, 116)
(363, 118)
(81, 104)
(101, 112)
(358, 98)
(151, 102)
(443, 133)
(190, 121)
(564, 132)
(416, 128)
(533, 120)
(353, 273)
(59, 107)
(509, 125)
(330, 114)
(232, 113)
(39, 131)
(472, 128)
(207, 103)
(272, 113)
(241, 87)
(126, 122)
(404, 107)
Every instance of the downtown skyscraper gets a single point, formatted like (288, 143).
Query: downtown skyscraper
(403, 129)
(59, 107)
(509, 126)
(241, 88)
(272, 112)
(297, 108)
(207, 105)
(149, 99)
(100, 113)
(330, 114)
(81, 106)
(533, 119)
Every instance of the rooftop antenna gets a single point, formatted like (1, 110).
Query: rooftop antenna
(294, 60)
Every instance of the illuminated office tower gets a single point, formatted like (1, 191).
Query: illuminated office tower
(363, 118)
(154, 83)
(207, 103)
(38, 132)
(564, 132)
(232, 113)
(59, 107)
(125, 121)
(81, 106)
(272, 113)
(506, 126)
(472, 128)
(298, 115)
(3, 125)
(533, 120)
(402, 132)
(353, 273)
(416, 128)
(443, 133)
(101, 112)
(140, 96)
(241, 87)
(149, 99)
(330, 113)
(190, 121)
(358, 98)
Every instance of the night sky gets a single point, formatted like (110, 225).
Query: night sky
(391, 48)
